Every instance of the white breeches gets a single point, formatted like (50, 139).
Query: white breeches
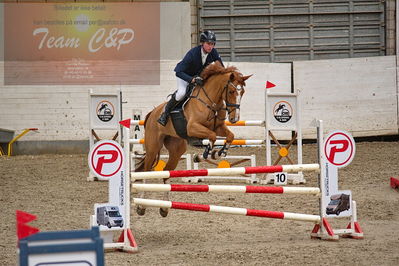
(181, 89)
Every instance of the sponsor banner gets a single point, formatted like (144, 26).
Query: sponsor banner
(338, 151)
(108, 216)
(82, 43)
(338, 204)
(105, 111)
(282, 111)
(339, 148)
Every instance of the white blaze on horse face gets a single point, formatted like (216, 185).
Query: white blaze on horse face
(238, 101)
(234, 114)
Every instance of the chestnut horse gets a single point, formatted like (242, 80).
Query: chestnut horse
(205, 113)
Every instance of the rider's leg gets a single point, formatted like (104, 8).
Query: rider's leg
(163, 119)
(174, 100)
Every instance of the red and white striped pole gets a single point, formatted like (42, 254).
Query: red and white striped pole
(225, 171)
(224, 188)
(227, 210)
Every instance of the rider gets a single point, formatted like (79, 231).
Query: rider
(189, 69)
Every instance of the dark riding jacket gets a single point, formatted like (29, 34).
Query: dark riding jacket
(191, 65)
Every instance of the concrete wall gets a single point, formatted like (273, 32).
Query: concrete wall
(358, 95)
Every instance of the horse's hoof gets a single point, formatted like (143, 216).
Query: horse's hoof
(213, 155)
(164, 212)
(140, 210)
(196, 158)
(205, 155)
(222, 153)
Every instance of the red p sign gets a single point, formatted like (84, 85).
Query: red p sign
(106, 158)
(103, 160)
(339, 148)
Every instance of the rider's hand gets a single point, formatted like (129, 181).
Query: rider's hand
(198, 81)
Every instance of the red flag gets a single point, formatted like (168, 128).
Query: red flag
(125, 123)
(24, 230)
(269, 85)
(394, 182)
(24, 217)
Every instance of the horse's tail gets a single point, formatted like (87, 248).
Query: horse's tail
(146, 118)
(140, 165)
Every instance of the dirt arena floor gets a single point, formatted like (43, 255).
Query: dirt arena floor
(54, 188)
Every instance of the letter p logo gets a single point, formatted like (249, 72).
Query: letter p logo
(339, 148)
(106, 158)
(112, 156)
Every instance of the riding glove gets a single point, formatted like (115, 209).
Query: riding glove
(198, 81)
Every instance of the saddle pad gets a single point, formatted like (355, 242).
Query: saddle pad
(180, 124)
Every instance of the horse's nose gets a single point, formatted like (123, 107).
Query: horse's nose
(232, 119)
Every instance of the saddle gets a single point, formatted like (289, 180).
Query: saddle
(179, 120)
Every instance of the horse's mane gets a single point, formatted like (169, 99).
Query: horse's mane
(217, 68)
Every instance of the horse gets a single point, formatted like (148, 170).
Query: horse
(205, 113)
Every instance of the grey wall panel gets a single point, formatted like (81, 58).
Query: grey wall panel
(284, 31)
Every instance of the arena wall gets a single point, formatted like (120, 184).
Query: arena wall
(357, 95)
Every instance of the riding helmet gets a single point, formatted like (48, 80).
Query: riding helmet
(208, 36)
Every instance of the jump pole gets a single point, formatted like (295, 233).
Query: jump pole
(239, 159)
(240, 123)
(227, 210)
(224, 188)
(218, 142)
(225, 171)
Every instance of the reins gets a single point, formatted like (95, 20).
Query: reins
(213, 106)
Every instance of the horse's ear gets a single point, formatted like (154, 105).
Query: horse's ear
(246, 77)
(217, 63)
(232, 76)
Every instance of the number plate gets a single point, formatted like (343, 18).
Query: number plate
(280, 178)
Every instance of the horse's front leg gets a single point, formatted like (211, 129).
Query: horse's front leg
(199, 131)
(223, 131)
(208, 150)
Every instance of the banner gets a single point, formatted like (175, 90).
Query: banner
(82, 43)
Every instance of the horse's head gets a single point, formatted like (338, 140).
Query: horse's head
(234, 91)
(230, 84)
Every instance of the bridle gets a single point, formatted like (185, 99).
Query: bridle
(213, 106)
(235, 105)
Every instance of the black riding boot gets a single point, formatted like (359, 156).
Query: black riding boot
(163, 119)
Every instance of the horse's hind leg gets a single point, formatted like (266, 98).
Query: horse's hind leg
(152, 150)
(176, 148)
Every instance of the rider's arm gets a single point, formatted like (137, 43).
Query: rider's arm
(217, 56)
(182, 66)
